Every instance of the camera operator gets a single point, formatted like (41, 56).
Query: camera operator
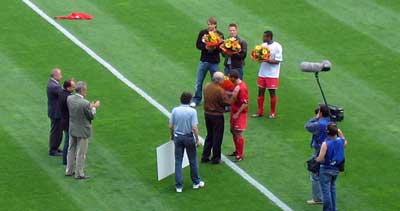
(332, 159)
(318, 127)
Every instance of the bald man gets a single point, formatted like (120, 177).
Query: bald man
(215, 101)
(53, 112)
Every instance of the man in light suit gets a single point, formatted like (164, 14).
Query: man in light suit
(53, 112)
(81, 114)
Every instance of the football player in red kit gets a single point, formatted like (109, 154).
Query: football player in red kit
(239, 110)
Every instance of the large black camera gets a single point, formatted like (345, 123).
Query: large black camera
(336, 113)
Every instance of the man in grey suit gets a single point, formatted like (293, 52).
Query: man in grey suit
(53, 112)
(81, 114)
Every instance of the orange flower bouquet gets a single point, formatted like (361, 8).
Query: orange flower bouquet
(260, 54)
(227, 85)
(212, 39)
(231, 46)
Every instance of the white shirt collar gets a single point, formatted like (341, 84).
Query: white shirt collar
(54, 80)
(79, 95)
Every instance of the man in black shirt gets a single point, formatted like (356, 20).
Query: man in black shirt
(236, 61)
(68, 88)
(209, 59)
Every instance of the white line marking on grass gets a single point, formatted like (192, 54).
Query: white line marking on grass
(152, 101)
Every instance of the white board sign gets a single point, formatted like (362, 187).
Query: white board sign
(166, 160)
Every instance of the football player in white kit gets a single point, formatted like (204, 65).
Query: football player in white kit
(268, 76)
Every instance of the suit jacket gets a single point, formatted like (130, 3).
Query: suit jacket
(237, 60)
(53, 90)
(64, 113)
(80, 116)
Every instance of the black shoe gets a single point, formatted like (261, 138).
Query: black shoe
(55, 153)
(59, 150)
(205, 160)
(82, 177)
(232, 154)
(70, 175)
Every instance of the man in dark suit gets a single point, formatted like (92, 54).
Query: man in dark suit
(53, 112)
(81, 114)
(68, 88)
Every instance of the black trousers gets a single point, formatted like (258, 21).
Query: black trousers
(55, 135)
(215, 134)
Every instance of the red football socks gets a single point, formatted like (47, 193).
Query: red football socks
(273, 102)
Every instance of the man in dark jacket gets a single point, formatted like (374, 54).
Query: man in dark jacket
(209, 59)
(236, 61)
(53, 112)
(68, 88)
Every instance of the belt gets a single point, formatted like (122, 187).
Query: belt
(182, 134)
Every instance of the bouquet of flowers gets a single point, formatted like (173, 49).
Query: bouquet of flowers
(227, 85)
(212, 39)
(230, 46)
(260, 53)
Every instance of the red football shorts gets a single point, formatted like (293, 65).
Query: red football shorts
(268, 83)
(240, 123)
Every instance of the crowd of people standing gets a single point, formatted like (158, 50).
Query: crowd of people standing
(328, 141)
(70, 114)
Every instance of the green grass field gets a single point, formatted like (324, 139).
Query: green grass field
(152, 44)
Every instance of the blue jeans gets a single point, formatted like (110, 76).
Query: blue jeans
(187, 142)
(66, 144)
(327, 179)
(315, 185)
(201, 74)
(239, 69)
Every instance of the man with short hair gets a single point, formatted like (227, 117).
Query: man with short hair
(331, 157)
(317, 126)
(238, 118)
(81, 114)
(268, 76)
(53, 112)
(236, 61)
(215, 101)
(68, 88)
(185, 134)
(209, 59)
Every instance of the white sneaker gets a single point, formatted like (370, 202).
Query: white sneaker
(192, 104)
(200, 185)
(179, 190)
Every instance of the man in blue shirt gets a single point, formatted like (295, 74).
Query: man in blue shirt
(317, 126)
(331, 156)
(185, 134)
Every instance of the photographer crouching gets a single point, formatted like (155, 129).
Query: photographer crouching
(318, 127)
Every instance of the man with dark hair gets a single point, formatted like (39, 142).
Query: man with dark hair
(185, 134)
(215, 101)
(268, 76)
(236, 61)
(53, 112)
(209, 59)
(239, 109)
(331, 157)
(68, 88)
(318, 127)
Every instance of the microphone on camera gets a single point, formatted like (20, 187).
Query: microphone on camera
(314, 67)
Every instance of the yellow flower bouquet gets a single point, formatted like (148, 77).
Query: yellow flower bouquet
(260, 54)
(212, 39)
(230, 46)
